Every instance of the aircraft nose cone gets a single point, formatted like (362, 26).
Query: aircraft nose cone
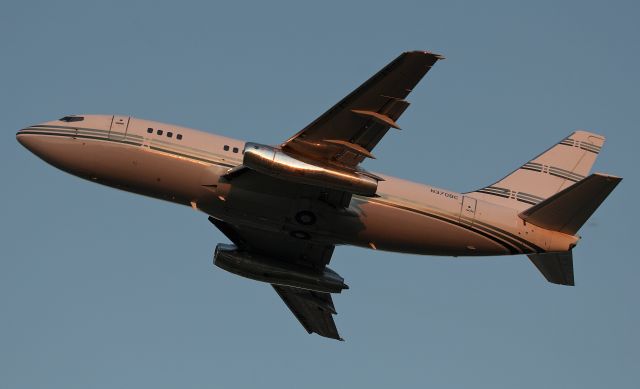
(57, 150)
(26, 141)
(33, 142)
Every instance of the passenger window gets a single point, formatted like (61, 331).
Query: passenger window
(170, 134)
(235, 149)
(179, 136)
(150, 130)
(226, 148)
(159, 132)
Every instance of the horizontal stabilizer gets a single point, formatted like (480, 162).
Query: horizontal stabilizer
(568, 210)
(557, 268)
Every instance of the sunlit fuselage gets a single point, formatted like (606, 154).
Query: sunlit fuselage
(185, 166)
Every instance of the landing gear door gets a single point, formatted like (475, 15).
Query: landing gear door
(119, 127)
(468, 210)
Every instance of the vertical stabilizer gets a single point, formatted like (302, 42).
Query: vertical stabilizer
(558, 168)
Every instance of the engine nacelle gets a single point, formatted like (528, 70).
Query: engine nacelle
(274, 162)
(259, 268)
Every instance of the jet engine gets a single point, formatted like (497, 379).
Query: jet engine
(259, 268)
(274, 162)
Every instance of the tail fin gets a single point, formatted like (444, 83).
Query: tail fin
(561, 166)
(568, 210)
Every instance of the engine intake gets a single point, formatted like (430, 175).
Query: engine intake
(260, 268)
(274, 162)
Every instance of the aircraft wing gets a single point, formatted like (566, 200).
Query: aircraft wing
(347, 132)
(314, 310)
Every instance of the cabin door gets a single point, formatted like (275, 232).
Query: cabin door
(468, 211)
(119, 127)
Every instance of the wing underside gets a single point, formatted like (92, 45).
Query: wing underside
(314, 310)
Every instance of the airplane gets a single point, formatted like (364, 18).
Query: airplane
(286, 207)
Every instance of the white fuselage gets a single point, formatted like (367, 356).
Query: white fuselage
(185, 166)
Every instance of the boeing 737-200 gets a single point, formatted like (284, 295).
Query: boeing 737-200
(286, 207)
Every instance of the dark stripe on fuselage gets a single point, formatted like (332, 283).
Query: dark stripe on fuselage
(151, 141)
(78, 136)
(514, 244)
(523, 244)
(65, 132)
(80, 130)
(511, 249)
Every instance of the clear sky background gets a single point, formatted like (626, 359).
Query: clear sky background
(105, 289)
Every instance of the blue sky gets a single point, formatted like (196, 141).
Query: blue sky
(101, 288)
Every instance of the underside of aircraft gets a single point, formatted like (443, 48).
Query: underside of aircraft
(286, 207)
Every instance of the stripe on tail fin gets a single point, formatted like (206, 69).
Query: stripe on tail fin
(561, 166)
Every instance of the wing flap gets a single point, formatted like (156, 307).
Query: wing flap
(379, 117)
(352, 147)
(313, 310)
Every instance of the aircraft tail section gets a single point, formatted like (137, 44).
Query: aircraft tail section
(568, 210)
(557, 268)
(564, 164)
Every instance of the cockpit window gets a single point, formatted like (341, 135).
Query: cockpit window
(72, 119)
